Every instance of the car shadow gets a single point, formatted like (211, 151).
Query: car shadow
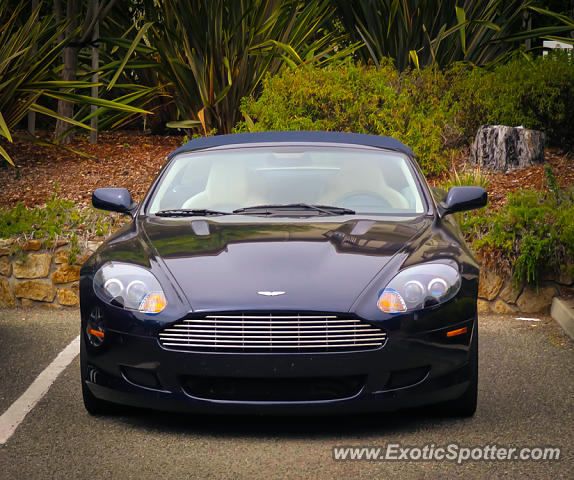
(294, 427)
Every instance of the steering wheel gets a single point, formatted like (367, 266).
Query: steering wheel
(362, 199)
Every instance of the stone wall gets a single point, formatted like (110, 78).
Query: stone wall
(498, 293)
(40, 276)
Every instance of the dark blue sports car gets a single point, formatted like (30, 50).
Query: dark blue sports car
(283, 272)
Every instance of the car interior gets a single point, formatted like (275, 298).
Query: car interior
(364, 183)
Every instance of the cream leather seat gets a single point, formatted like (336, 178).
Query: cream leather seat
(227, 187)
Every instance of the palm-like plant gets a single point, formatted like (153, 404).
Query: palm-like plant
(428, 32)
(30, 52)
(216, 52)
(125, 71)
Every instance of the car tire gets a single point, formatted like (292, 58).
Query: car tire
(465, 405)
(94, 405)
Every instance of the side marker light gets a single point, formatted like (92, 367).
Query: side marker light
(458, 331)
(95, 333)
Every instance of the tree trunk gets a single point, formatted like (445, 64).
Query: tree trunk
(32, 115)
(527, 25)
(499, 148)
(95, 67)
(70, 60)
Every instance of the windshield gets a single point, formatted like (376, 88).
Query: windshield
(362, 180)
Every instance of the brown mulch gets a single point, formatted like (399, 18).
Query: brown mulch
(132, 160)
(119, 159)
(529, 178)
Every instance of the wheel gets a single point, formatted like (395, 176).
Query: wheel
(94, 405)
(465, 405)
(356, 200)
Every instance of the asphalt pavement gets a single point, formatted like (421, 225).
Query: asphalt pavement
(526, 399)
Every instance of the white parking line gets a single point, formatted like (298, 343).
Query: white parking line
(12, 417)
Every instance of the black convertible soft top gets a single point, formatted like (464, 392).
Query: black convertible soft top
(294, 136)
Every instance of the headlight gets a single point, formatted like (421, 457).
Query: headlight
(130, 287)
(421, 286)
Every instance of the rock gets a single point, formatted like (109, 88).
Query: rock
(82, 259)
(564, 277)
(93, 245)
(52, 243)
(509, 292)
(500, 148)
(35, 290)
(62, 255)
(51, 306)
(500, 306)
(534, 300)
(483, 306)
(27, 303)
(489, 284)
(67, 297)
(66, 273)
(6, 245)
(5, 266)
(6, 296)
(32, 245)
(34, 265)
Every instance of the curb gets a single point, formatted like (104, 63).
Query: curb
(563, 312)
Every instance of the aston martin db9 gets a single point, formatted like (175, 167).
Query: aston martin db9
(283, 272)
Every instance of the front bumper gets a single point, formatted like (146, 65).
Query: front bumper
(413, 368)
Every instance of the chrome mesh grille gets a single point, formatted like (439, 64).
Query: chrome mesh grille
(272, 332)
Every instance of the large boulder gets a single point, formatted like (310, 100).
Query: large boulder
(499, 148)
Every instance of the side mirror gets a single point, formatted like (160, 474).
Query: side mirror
(113, 200)
(460, 199)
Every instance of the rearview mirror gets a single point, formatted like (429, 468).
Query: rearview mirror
(460, 199)
(113, 200)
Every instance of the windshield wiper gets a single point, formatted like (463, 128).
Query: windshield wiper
(271, 209)
(186, 212)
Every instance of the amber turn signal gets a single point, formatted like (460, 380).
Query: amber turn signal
(390, 301)
(458, 331)
(153, 303)
(95, 333)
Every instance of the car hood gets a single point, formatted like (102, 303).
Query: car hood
(317, 265)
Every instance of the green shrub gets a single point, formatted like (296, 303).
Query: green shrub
(58, 219)
(531, 235)
(468, 176)
(537, 94)
(431, 111)
(414, 107)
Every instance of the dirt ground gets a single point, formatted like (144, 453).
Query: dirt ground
(132, 160)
